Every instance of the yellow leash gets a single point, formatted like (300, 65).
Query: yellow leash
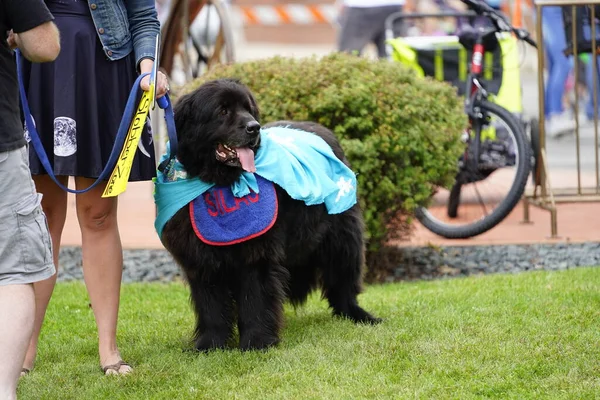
(117, 183)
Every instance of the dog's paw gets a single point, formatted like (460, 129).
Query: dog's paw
(207, 343)
(360, 316)
(370, 320)
(258, 342)
(364, 319)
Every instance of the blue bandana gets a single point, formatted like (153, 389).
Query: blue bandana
(220, 219)
(299, 162)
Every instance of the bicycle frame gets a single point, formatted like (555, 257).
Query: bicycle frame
(475, 93)
(475, 88)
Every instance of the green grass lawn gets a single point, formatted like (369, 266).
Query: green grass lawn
(527, 336)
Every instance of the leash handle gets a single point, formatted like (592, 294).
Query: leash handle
(165, 103)
(39, 147)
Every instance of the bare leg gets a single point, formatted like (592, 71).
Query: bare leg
(54, 204)
(102, 265)
(17, 304)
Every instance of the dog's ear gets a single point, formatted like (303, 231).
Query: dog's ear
(254, 110)
(183, 113)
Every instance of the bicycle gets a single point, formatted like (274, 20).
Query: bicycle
(496, 144)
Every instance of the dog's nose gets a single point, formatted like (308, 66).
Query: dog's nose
(253, 127)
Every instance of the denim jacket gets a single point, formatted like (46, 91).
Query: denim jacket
(126, 25)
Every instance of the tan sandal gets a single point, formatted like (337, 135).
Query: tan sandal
(114, 369)
(25, 371)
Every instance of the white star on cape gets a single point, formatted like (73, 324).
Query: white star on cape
(345, 187)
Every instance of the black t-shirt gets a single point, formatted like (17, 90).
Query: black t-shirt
(20, 16)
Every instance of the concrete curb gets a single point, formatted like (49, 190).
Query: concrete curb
(413, 263)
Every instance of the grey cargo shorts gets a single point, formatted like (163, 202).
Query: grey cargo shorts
(25, 245)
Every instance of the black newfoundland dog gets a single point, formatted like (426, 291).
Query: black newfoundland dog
(305, 248)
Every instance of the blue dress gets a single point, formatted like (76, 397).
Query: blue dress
(78, 100)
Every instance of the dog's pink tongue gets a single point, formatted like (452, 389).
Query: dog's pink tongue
(246, 157)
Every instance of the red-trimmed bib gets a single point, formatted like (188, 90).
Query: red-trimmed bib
(221, 219)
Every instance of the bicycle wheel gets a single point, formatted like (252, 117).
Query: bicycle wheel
(483, 193)
(211, 35)
(198, 35)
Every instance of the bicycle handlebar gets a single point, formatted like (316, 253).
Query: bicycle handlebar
(481, 8)
(524, 35)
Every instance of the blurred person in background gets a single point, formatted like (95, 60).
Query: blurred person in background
(559, 66)
(363, 22)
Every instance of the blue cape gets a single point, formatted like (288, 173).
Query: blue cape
(300, 162)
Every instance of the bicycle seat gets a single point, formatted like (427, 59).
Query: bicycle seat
(468, 36)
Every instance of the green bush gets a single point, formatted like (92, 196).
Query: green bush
(400, 132)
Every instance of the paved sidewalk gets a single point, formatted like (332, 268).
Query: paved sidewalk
(576, 222)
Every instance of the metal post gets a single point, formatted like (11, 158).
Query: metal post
(541, 93)
(554, 224)
(595, 94)
(526, 219)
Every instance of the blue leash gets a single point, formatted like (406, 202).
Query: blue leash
(163, 102)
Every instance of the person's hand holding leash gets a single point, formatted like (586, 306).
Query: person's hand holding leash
(162, 84)
(12, 40)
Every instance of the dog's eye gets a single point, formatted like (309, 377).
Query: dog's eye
(223, 112)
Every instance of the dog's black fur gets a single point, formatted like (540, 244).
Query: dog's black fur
(306, 248)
